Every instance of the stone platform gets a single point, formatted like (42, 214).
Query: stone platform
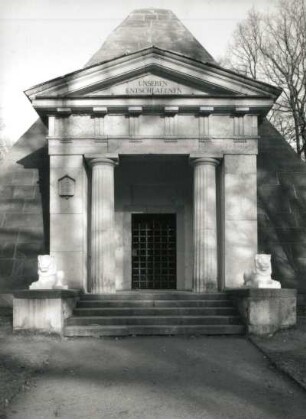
(265, 311)
(42, 311)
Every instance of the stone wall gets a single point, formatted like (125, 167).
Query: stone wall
(24, 207)
(24, 203)
(282, 208)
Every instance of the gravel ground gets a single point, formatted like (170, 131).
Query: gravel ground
(142, 377)
(21, 358)
(287, 351)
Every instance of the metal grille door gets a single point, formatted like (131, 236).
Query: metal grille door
(154, 251)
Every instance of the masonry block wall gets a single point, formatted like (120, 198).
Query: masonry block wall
(24, 202)
(281, 182)
(24, 208)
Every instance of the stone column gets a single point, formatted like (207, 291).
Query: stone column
(102, 266)
(205, 271)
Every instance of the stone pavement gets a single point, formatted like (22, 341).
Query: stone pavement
(145, 377)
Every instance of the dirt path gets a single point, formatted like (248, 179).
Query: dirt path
(153, 377)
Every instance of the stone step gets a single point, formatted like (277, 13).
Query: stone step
(152, 320)
(155, 311)
(98, 330)
(153, 303)
(156, 295)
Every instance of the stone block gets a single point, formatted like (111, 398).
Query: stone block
(240, 249)
(11, 205)
(240, 164)
(6, 267)
(7, 250)
(30, 250)
(187, 126)
(33, 206)
(24, 177)
(6, 192)
(43, 311)
(31, 233)
(25, 268)
(300, 263)
(116, 125)
(298, 216)
(275, 198)
(151, 125)
(74, 126)
(221, 126)
(6, 283)
(291, 235)
(17, 220)
(8, 235)
(6, 300)
(240, 197)
(59, 204)
(24, 192)
(66, 232)
(73, 265)
(66, 161)
(266, 311)
(267, 177)
(298, 249)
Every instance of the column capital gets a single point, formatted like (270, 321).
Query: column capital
(101, 161)
(208, 161)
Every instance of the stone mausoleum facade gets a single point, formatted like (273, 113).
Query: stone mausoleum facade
(151, 168)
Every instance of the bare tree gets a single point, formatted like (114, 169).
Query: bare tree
(272, 48)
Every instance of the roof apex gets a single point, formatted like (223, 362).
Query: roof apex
(144, 28)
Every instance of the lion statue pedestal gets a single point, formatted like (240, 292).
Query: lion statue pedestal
(260, 276)
(48, 276)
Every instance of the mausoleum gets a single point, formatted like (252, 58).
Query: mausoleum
(142, 175)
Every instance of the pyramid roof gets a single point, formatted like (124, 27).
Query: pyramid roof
(144, 28)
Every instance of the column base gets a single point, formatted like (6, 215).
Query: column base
(207, 287)
(103, 290)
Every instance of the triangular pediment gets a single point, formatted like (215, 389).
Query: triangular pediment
(152, 83)
(151, 72)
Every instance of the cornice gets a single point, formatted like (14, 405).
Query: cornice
(173, 65)
(153, 105)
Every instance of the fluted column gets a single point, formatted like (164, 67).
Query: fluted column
(205, 269)
(102, 267)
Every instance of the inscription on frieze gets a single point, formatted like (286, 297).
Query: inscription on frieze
(153, 87)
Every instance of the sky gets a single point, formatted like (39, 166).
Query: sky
(43, 39)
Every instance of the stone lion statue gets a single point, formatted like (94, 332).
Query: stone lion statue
(260, 276)
(48, 276)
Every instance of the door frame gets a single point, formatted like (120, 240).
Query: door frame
(183, 249)
(165, 220)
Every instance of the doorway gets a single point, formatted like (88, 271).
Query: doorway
(154, 251)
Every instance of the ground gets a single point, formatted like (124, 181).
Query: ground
(287, 351)
(147, 377)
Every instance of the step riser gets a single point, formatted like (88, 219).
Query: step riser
(157, 303)
(155, 311)
(156, 296)
(155, 321)
(153, 331)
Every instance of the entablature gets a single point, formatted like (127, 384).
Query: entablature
(171, 123)
(153, 146)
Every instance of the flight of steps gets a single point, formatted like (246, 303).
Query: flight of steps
(154, 313)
